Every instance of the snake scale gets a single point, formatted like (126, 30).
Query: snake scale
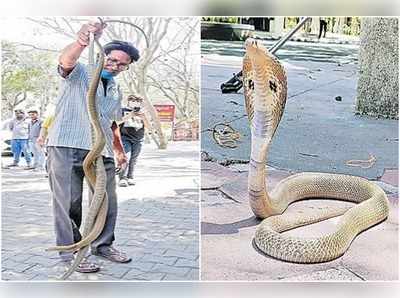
(95, 174)
(265, 91)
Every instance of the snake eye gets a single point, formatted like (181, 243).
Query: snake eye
(272, 86)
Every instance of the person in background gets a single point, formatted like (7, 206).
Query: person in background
(44, 131)
(19, 127)
(35, 125)
(42, 139)
(323, 24)
(132, 129)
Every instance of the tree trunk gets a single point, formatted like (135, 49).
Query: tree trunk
(315, 26)
(162, 142)
(339, 24)
(378, 82)
(156, 124)
(278, 24)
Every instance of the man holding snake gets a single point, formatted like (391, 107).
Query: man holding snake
(70, 140)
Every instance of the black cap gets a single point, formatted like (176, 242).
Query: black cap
(134, 97)
(124, 46)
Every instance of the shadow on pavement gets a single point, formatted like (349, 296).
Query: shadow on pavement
(230, 228)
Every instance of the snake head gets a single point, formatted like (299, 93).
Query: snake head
(252, 43)
(265, 85)
(255, 49)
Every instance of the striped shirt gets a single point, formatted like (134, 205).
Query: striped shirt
(71, 126)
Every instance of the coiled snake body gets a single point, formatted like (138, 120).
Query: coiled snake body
(265, 90)
(95, 174)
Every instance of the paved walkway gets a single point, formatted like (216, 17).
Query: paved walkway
(228, 226)
(157, 223)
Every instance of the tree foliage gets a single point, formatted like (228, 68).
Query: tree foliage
(167, 59)
(26, 78)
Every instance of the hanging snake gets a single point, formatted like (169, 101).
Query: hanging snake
(265, 91)
(95, 174)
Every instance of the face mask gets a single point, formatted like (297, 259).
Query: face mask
(107, 75)
(135, 106)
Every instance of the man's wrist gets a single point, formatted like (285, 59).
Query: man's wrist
(80, 44)
(119, 151)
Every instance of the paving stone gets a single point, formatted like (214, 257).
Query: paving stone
(143, 266)
(214, 198)
(193, 249)
(22, 258)
(193, 274)
(330, 274)
(214, 175)
(40, 277)
(391, 176)
(10, 275)
(133, 274)
(159, 259)
(117, 271)
(46, 262)
(151, 276)
(51, 273)
(16, 266)
(394, 209)
(174, 277)
(6, 255)
(186, 263)
(170, 269)
(175, 244)
(136, 242)
(159, 247)
(388, 188)
(237, 189)
(180, 254)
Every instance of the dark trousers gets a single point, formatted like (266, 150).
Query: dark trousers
(66, 182)
(322, 27)
(132, 150)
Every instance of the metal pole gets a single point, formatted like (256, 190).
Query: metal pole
(288, 35)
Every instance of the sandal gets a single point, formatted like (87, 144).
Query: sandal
(113, 255)
(86, 267)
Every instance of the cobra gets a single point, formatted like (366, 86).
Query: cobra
(95, 174)
(265, 91)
